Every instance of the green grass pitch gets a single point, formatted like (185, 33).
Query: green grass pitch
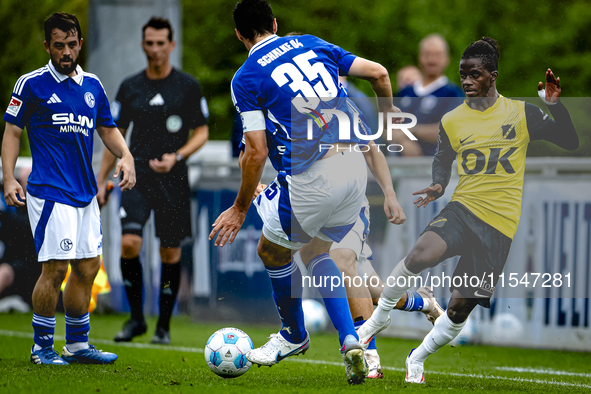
(181, 368)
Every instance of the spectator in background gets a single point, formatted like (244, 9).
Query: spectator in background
(430, 97)
(407, 76)
(18, 260)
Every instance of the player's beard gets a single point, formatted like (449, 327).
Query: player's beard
(65, 70)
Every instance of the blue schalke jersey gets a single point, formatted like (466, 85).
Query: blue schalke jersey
(284, 87)
(60, 114)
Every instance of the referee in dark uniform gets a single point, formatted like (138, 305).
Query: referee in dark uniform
(166, 107)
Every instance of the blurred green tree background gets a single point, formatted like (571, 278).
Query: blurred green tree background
(533, 35)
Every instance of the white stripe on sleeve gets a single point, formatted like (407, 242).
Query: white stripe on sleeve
(253, 120)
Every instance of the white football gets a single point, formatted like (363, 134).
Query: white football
(315, 316)
(225, 352)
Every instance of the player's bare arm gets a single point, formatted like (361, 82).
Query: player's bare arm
(379, 168)
(115, 143)
(168, 161)
(260, 186)
(378, 76)
(107, 164)
(229, 222)
(10, 148)
(441, 170)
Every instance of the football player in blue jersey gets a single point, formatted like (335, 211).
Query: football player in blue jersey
(318, 193)
(61, 106)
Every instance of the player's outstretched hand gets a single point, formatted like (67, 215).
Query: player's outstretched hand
(393, 210)
(427, 195)
(13, 193)
(165, 165)
(126, 166)
(259, 190)
(552, 90)
(227, 226)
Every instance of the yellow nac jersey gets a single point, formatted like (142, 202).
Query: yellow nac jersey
(490, 147)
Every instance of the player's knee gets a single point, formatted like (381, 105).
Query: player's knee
(420, 258)
(85, 270)
(170, 255)
(272, 255)
(131, 245)
(346, 261)
(54, 273)
(459, 311)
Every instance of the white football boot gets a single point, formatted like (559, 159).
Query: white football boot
(373, 363)
(435, 310)
(353, 357)
(415, 371)
(369, 330)
(276, 349)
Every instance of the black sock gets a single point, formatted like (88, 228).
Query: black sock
(169, 288)
(131, 269)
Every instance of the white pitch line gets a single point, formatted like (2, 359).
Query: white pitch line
(461, 375)
(20, 334)
(544, 371)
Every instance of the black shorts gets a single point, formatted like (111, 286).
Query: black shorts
(168, 195)
(483, 250)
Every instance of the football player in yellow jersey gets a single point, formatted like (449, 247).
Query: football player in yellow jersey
(489, 135)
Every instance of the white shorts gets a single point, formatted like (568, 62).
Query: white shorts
(356, 238)
(63, 232)
(324, 201)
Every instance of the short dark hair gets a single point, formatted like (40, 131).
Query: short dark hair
(486, 49)
(158, 23)
(253, 18)
(63, 21)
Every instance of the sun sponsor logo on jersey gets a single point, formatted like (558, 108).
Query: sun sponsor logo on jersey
(14, 106)
(70, 124)
(279, 51)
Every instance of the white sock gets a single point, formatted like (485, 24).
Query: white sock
(37, 347)
(444, 331)
(373, 352)
(394, 290)
(77, 346)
